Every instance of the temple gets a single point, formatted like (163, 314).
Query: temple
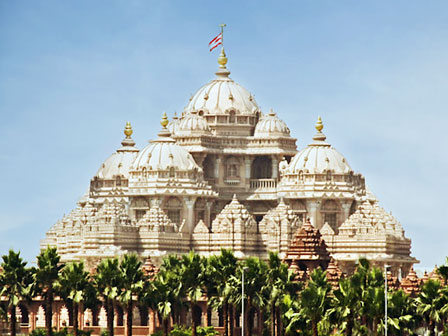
(223, 174)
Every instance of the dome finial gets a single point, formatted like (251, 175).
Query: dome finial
(128, 130)
(319, 125)
(128, 142)
(164, 122)
(222, 59)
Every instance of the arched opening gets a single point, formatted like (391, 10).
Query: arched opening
(299, 208)
(330, 211)
(199, 210)
(173, 208)
(232, 168)
(232, 118)
(208, 167)
(24, 315)
(261, 167)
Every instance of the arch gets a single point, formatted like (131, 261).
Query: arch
(136, 317)
(299, 208)
(172, 172)
(199, 210)
(208, 167)
(40, 317)
(232, 167)
(24, 314)
(102, 318)
(330, 209)
(173, 208)
(261, 167)
(64, 317)
(88, 317)
(232, 117)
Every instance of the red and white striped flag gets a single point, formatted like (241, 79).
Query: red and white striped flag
(215, 42)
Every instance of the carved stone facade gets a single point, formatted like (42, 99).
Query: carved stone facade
(223, 174)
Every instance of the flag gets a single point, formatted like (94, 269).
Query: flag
(215, 42)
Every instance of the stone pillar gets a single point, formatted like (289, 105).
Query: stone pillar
(189, 213)
(274, 167)
(247, 168)
(217, 168)
(313, 212)
(208, 206)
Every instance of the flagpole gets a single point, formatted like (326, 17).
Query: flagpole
(222, 25)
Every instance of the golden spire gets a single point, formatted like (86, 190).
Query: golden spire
(319, 125)
(164, 122)
(128, 130)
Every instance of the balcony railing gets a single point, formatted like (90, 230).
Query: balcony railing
(263, 184)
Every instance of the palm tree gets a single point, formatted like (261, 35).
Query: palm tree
(132, 280)
(107, 284)
(443, 271)
(192, 274)
(220, 268)
(345, 306)
(254, 284)
(430, 303)
(280, 282)
(15, 283)
(315, 299)
(401, 313)
(73, 285)
(45, 279)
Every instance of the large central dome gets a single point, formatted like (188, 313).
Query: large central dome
(222, 95)
(228, 108)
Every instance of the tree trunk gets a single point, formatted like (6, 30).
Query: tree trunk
(225, 318)
(165, 326)
(431, 328)
(49, 312)
(279, 323)
(193, 318)
(273, 318)
(231, 313)
(349, 329)
(129, 318)
(314, 326)
(13, 320)
(75, 319)
(110, 316)
(250, 322)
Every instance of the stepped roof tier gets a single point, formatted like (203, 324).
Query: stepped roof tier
(334, 274)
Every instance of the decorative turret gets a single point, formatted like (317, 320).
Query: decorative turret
(334, 274)
(307, 249)
(411, 284)
(149, 269)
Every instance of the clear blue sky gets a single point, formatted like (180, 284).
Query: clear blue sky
(73, 72)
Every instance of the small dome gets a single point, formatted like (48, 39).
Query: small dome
(163, 154)
(222, 95)
(173, 125)
(319, 157)
(271, 125)
(118, 163)
(193, 123)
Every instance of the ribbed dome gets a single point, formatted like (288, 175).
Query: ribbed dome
(192, 123)
(319, 157)
(173, 125)
(271, 125)
(222, 95)
(163, 154)
(118, 163)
